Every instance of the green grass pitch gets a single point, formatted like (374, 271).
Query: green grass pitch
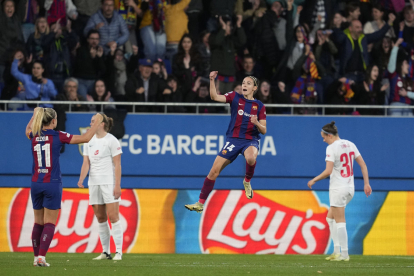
(196, 265)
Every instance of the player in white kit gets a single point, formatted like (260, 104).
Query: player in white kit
(340, 156)
(102, 158)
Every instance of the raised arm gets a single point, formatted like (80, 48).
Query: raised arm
(392, 63)
(364, 170)
(30, 124)
(327, 172)
(84, 171)
(213, 92)
(86, 137)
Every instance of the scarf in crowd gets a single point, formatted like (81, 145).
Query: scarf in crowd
(157, 8)
(127, 12)
(349, 93)
(306, 80)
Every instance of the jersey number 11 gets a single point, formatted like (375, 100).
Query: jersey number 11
(46, 148)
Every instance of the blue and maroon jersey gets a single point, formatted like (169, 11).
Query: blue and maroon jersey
(396, 83)
(242, 110)
(46, 153)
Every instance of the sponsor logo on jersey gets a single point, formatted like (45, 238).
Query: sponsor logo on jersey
(76, 228)
(240, 112)
(224, 152)
(273, 222)
(119, 148)
(96, 152)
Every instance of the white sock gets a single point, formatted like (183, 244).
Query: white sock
(104, 236)
(334, 235)
(118, 235)
(343, 238)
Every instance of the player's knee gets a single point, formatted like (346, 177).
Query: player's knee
(251, 160)
(214, 173)
(114, 218)
(101, 218)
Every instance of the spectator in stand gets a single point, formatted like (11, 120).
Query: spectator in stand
(237, 87)
(224, 44)
(187, 63)
(314, 8)
(158, 68)
(57, 10)
(85, 9)
(194, 14)
(201, 94)
(352, 12)
(354, 60)
(11, 34)
(89, 63)
(408, 31)
(381, 54)
(176, 95)
(70, 88)
(152, 28)
(340, 92)
(129, 10)
(219, 8)
(205, 53)
(38, 43)
(37, 87)
(144, 86)
(58, 61)
(377, 24)
(100, 94)
(248, 69)
(272, 31)
(401, 85)
(264, 95)
(176, 22)
(32, 13)
(12, 87)
(110, 25)
(371, 92)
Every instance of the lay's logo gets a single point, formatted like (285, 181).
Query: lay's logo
(273, 222)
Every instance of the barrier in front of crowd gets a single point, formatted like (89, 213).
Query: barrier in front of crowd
(165, 160)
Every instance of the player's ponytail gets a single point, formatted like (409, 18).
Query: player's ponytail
(108, 122)
(43, 117)
(330, 129)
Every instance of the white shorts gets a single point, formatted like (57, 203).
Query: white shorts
(102, 194)
(340, 197)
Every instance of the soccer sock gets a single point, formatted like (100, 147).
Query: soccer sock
(118, 235)
(334, 235)
(36, 233)
(105, 236)
(206, 190)
(343, 238)
(46, 238)
(249, 171)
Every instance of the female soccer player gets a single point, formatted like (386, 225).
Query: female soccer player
(340, 156)
(46, 187)
(248, 120)
(102, 158)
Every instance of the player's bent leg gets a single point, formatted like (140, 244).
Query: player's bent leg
(104, 232)
(250, 154)
(117, 231)
(219, 164)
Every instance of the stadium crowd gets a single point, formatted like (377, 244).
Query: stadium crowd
(315, 51)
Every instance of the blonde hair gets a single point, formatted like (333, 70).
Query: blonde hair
(43, 117)
(37, 34)
(108, 121)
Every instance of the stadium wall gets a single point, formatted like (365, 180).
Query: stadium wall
(165, 160)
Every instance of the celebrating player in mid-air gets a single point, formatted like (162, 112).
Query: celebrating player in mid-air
(46, 187)
(340, 156)
(248, 120)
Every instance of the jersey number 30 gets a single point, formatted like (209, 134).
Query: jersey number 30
(347, 164)
(46, 148)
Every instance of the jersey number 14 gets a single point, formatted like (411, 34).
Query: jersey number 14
(38, 150)
(347, 164)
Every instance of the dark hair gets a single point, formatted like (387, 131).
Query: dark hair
(368, 73)
(236, 83)
(407, 8)
(39, 62)
(248, 56)
(378, 7)
(256, 83)
(305, 35)
(172, 77)
(95, 95)
(195, 56)
(331, 128)
(351, 7)
(108, 121)
(103, 1)
(93, 31)
(259, 95)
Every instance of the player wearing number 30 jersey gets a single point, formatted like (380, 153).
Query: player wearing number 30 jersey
(248, 121)
(340, 156)
(46, 187)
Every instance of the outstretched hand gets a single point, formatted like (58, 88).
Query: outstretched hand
(213, 75)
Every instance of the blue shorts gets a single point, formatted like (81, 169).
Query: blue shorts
(235, 146)
(48, 195)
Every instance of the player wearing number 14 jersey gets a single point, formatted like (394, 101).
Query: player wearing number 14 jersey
(248, 121)
(46, 187)
(340, 156)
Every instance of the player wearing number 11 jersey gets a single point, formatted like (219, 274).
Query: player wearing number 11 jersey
(248, 121)
(46, 187)
(340, 156)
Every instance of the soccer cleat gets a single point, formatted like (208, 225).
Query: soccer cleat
(340, 259)
(42, 262)
(103, 256)
(198, 207)
(118, 257)
(248, 189)
(333, 256)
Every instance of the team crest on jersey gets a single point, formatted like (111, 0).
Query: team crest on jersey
(254, 107)
(400, 84)
(224, 152)
(82, 130)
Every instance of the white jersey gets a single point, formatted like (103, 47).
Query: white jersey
(100, 152)
(342, 153)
